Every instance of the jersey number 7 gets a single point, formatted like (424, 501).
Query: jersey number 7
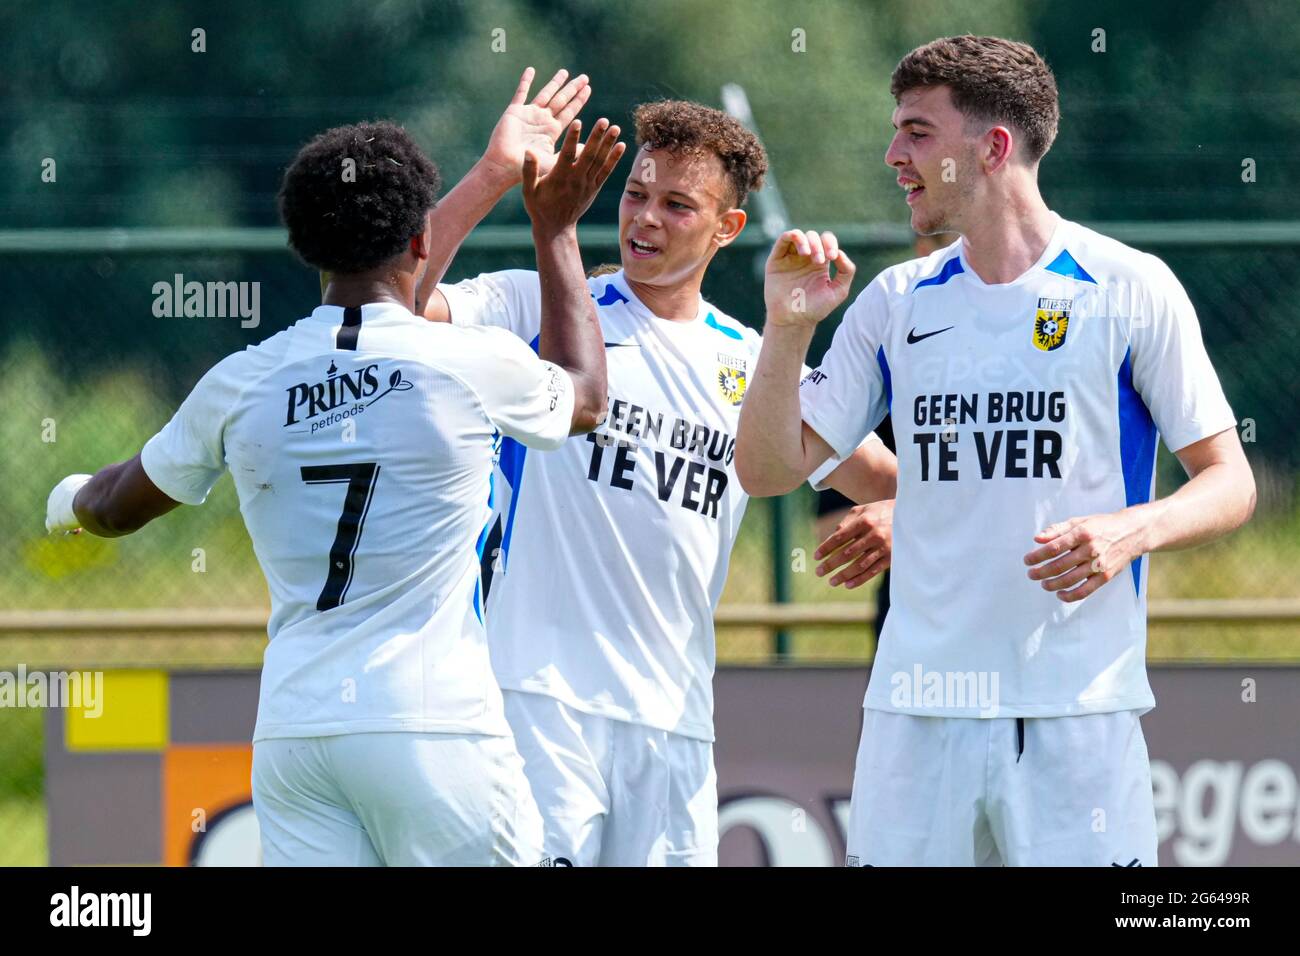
(360, 480)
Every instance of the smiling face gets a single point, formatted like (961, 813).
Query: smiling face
(676, 212)
(938, 164)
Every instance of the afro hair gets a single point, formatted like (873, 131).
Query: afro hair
(355, 195)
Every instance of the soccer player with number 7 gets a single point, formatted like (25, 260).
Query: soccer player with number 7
(362, 442)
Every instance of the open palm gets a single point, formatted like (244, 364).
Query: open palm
(534, 127)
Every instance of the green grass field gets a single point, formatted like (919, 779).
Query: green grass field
(22, 771)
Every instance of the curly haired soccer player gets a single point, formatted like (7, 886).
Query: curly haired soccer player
(615, 547)
(362, 441)
(1030, 368)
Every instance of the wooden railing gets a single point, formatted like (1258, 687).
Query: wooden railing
(155, 622)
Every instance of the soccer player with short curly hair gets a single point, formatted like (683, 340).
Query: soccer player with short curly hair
(615, 547)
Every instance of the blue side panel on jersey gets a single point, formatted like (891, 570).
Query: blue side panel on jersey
(884, 373)
(512, 466)
(950, 268)
(483, 536)
(1064, 265)
(611, 295)
(1137, 447)
(512, 461)
(713, 323)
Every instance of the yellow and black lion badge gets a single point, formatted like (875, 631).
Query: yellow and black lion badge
(1051, 322)
(731, 378)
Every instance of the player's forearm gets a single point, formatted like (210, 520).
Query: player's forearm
(570, 331)
(1216, 501)
(105, 506)
(869, 474)
(455, 216)
(94, 504)
(770, 455)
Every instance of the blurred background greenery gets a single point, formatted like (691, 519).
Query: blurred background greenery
(1160, 110)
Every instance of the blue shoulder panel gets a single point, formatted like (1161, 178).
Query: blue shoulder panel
(611, 295)
(713, 323)
(950, 268)
(1065, 265)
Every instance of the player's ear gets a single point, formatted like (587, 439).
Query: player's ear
(422, 242)
(420, 245)
(996, 147)
(729, 226)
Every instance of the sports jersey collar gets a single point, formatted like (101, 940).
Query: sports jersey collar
(620, 282)
(333, 314)
(1053, 249)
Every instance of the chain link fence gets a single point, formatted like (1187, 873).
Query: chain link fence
(90, 369)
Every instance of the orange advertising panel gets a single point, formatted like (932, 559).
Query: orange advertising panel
(205, 786)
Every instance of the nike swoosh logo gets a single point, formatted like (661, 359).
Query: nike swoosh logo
(627, 345)
(913, 338)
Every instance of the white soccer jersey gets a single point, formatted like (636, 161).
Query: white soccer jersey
(362, 444)
(1015, 406)
(615, 547)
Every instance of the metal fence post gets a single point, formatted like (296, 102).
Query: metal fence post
(774, 220)
(781, 584)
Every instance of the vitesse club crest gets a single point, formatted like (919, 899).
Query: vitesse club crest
(1051, 322)
(731, 378)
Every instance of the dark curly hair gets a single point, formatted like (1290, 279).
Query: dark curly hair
(682, 127)
(348, 224)
(992, 79)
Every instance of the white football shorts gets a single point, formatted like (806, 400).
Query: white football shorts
(394, 799)
(613, 793)
(1035, 791)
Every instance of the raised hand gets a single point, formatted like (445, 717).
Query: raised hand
(534, 126)
(797, 286)
(556, 200)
